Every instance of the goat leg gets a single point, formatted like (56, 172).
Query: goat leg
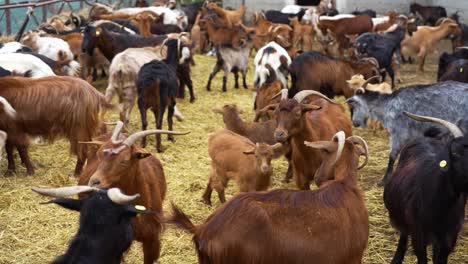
(236, 78)
(144, 120)
(159, 121)
(224, 83)
(23, 152)
(244, 82)
(11, 159)
(401, 249)
(391, 73)
(389, 171)
(170, 115)
(207, 194)
(420, 247)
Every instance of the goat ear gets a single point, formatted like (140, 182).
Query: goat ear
(249, 152)
(328, 146)
(217, 110)
(71, 204)
(141, 154)
(307, 108)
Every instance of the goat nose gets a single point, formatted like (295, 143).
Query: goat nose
(265, 168)
(94, 182)
(280, 136)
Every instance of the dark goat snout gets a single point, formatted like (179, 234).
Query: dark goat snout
(281, 136)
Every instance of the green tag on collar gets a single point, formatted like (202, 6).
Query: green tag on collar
(443, 163)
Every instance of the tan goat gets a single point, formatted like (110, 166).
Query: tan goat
(236, 157)
(425, 39)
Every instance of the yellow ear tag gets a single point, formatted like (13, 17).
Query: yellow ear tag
(98, 33)
(443, 163)
(140, 207)
(461, 69)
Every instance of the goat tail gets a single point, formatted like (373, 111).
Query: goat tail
(181, 220)
(9, 110)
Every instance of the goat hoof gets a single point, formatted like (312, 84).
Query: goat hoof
(381, 183)
(160, 149)
(285, 180)
(170, 138)
(207, 202)
(10, 173)
(192, 100)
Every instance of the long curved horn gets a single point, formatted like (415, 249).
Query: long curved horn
(115, 134)
(340, 138)
(300, 96)
(359, 140)
(119, 198)
(283, 93)
(163, 44)
(454, 129)
(62, 192)
(134, 137)
(364, 85)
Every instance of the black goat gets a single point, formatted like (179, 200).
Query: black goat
(445, 59)
(105, 232)
(282, 18)
(456, 71)
(157, 87)
(381, 47)
(426, 194)
(365, 12)
(430, 14)
(191, 10)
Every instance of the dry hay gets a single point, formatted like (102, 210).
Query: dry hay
(35, 233)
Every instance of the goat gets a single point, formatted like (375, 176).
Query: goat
(157, 87)
(456, 71)
(387, 108)
(229, 60)
(382, 27)
(192, 11)
(275, 56)
(13, 46)
(227, 18)
(265, 92)
(357, 81)
(302, 35)
(345, 26)
(107, 209)
(53, 48)
(445, 59)
(315, 71)
(282, 18)
(365, 12)
(235, 36)
(51, 107)
(460, 39)
(62, 67)
(22, 63)
(117, 162)
(74, 41)
(271, 239)
(257, 132)
(382, 47)
(425, 38)
(430, 14)
(297, 120)
(236, 157)
(429, 187)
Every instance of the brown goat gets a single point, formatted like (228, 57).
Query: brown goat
(382, 27)
(346, 26)
(303, 35)
(297, 121)
(51, 107)
(236, 157)
(227, 18)
(74, 40)
(235, 36)
(143, 21)
(315, 71)
(266, 92)
(116, 161)
(291, 226)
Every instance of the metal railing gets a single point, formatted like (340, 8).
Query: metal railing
(13, 15)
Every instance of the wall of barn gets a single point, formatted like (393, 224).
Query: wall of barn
(346, 6)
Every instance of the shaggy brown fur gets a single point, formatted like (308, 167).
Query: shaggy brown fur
(51, 107)
(287, 226)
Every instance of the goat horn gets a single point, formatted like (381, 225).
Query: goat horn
(283, 93)
(62, 192)
(115, 134)
(119, 198)
(300, 96)
(454, 129)
(134, 137)
(364, 85)
(262, 111)
(362, 142)
(340, 138)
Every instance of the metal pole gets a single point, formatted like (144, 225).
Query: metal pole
(8, 18)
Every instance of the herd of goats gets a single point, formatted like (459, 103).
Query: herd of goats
(147, 51)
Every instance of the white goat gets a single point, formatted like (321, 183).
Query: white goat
(278, 58)
(53, 48)
(12, 46)
(21, 63)
(123, 73)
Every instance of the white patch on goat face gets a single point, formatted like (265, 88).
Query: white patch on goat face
(185, 55)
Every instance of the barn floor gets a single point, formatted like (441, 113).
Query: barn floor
(34, 233)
